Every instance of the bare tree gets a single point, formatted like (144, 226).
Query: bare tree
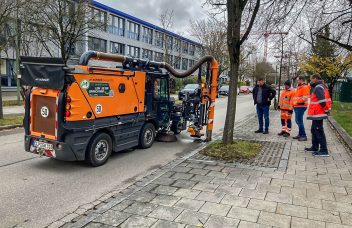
(335, 14)
(7, 8)
(166, 19)
(235, 10)
(242, 15)
(211, 33)
(61, 24)
(339, 14)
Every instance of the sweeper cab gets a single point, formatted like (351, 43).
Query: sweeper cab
(86, 112)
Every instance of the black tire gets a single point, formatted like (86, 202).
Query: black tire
(99, 149)
(176, 128)
(147, 136)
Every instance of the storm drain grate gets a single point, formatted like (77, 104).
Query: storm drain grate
(269, 156)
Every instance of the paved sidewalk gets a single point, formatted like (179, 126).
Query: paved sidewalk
(311, 192)
(13, 110)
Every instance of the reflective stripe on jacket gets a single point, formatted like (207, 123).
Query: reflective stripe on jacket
(301, 96)
(285, 115)
(285, 99)
(320, 103)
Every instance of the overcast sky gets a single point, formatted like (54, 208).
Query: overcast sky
(150, 10)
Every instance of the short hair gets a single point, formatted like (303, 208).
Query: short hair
(260, 79)
(301, 78)
(316, 76)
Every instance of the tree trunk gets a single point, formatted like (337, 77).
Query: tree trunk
(233, 40)
(1, 107)
(331, 87)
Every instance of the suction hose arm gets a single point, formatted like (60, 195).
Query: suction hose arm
(85, 57)
(191, 70)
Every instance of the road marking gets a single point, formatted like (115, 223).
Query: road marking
(1, 166)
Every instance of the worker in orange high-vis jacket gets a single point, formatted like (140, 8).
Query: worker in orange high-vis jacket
(318, 110)
(300, 102)
(286, 109)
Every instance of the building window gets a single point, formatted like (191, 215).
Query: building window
(184, 64)
(184, 47)
(191, 63)
(117, 48)
(100, 17)
(132, 51)
(147, 54)
(117, 26)
(7, 73)
(159, 57)
(192, 49)
(198, 50)
(159, 41)
(133, 31)
(177, 62)
(147, 35)
(177, 43)
(169, 43)
(96, 44)
(168, 58)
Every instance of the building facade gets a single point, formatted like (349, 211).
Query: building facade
(126, 35)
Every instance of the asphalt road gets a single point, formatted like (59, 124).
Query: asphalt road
(36, 191)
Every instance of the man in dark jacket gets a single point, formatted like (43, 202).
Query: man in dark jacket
(262, 96)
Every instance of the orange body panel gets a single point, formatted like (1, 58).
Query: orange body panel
(37, 122)
(108, 92)
(79, 106)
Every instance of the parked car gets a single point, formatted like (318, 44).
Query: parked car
(224, 90)
(189, 88)
(251, 89)
(244, 89)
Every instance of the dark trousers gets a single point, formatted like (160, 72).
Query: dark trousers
(263, 115)
(318, 135)
(299, 113)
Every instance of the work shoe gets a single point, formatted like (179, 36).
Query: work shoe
(258, 131)
(281, 133)
(302, 139)
(321, 153)
(286, 135)
(266, 132)
(310, 149)
(296, 137)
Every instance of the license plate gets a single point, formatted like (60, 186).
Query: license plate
(43, 145)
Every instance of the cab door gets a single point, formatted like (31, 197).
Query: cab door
(161, 100)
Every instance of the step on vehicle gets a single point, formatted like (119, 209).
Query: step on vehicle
(86, 112)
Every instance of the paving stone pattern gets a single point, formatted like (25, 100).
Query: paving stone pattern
(309, 192)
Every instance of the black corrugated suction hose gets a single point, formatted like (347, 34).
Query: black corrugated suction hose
(85, 57)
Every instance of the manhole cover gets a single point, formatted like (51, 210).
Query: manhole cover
(269, 156)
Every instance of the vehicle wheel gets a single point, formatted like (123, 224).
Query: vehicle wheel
(176, 127)
(147, 136)
(99, 149)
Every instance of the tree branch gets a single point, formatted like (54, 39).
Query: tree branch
(346, 46)
(249, 28)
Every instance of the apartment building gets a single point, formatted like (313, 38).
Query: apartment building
(126, 35)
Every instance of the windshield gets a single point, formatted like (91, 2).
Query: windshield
(191, 86)
(243, 87)
(224, 87)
